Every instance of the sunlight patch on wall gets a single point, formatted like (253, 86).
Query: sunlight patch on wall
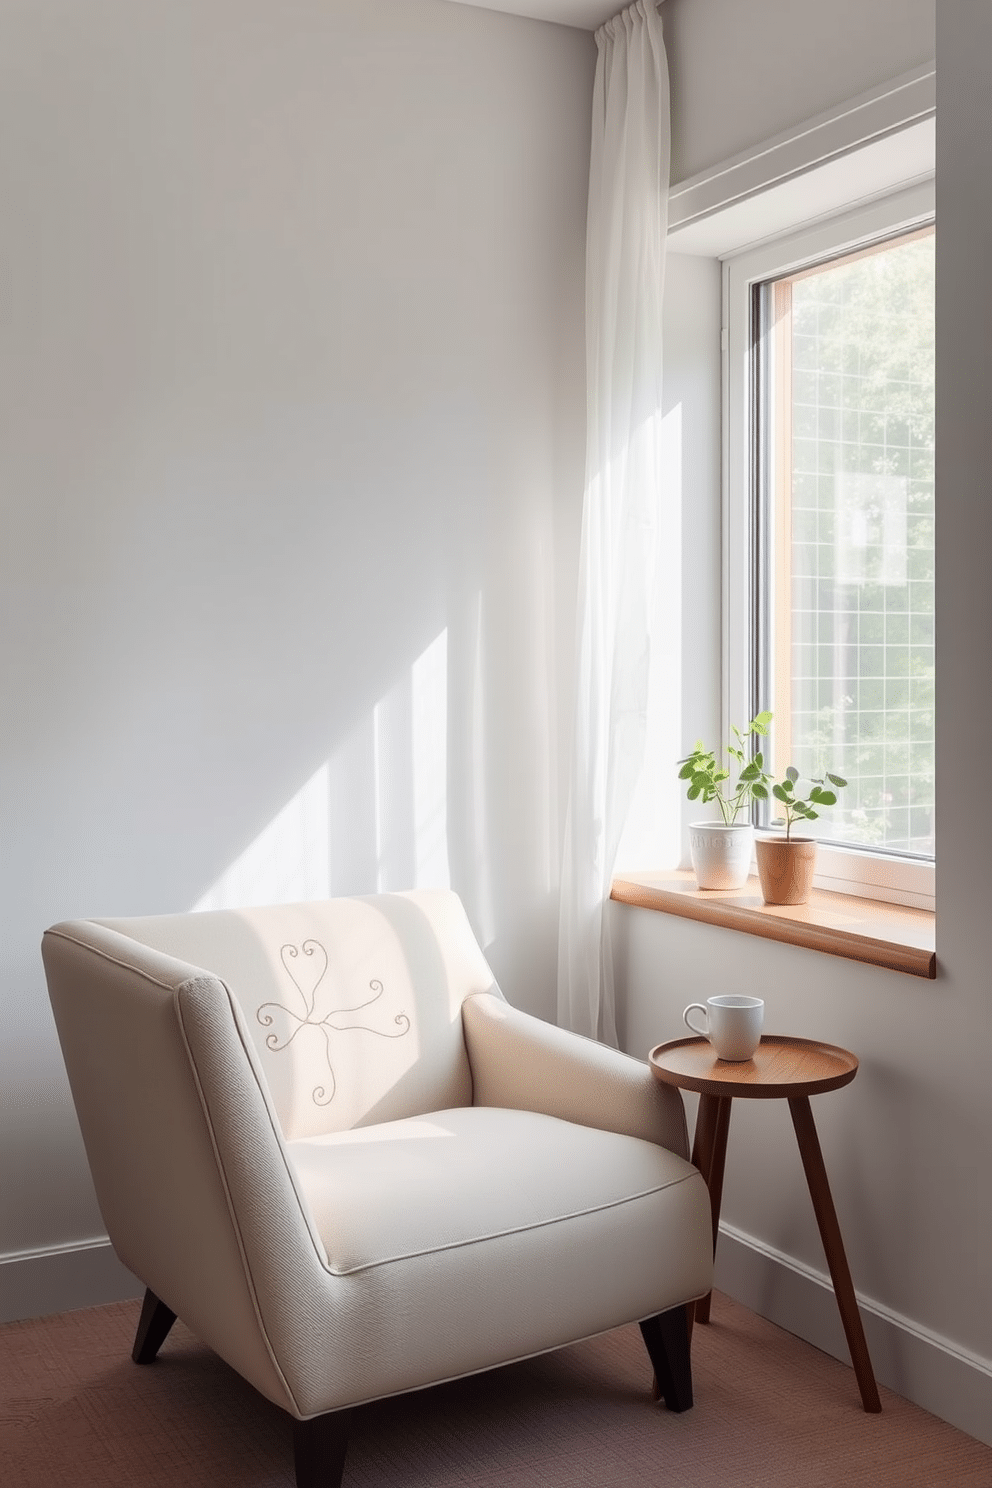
(478, 838)
(409, 809)
(373, 818)
(288, 861)
(429, 676)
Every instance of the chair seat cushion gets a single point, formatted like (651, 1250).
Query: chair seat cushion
(447, 1179)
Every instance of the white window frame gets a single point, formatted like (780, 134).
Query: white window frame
(846, 870)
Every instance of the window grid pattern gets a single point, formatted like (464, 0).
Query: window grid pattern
(862, 542)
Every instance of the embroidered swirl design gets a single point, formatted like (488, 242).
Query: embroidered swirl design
(286, 1019)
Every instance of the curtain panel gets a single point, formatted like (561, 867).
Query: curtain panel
(623, 500)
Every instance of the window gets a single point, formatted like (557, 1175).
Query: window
(845, 637)
(830, 527)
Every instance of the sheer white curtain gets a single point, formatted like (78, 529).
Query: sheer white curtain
(625, 261)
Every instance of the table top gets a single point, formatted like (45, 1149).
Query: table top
(781, 1067)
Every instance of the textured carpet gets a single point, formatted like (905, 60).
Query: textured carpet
(771, 1412)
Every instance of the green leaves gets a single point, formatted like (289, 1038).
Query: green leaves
(707, 779)
(800, 803)
(755, 769)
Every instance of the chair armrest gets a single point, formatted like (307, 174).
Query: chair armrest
(521, 1062)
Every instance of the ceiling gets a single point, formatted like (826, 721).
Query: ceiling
(587, 14)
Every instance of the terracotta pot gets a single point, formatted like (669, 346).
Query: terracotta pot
(786, 868)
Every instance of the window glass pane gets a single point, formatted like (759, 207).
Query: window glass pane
(850, 399)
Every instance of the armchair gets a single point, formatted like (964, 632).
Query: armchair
(320, 1135)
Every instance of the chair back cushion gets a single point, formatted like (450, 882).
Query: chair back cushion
(354, 1005)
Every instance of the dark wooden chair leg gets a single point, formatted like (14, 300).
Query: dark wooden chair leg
(666, 1338)
(153, 1328)
(319, 1449)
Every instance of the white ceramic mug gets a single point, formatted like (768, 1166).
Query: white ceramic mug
(733, 1025)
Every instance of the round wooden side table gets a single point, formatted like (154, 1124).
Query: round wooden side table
(782, 1068)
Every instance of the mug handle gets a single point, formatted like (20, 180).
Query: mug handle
(703, 1032)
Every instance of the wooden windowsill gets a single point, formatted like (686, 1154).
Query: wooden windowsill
(889, 935)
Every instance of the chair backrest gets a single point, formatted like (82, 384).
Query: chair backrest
(353, 1005)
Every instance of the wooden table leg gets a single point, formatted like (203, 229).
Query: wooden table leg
(833, 1244)
(709, 1153)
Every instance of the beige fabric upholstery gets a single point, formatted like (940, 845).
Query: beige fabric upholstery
(385, 1193)
(533, 1066)
(323, 1138)
(352, 1004)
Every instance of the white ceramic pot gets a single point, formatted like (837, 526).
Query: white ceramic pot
(721, 855)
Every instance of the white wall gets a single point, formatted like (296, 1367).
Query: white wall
(743, 72)
(907, 1145)
(291, 464)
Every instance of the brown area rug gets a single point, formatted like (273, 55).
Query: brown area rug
(771, 1412)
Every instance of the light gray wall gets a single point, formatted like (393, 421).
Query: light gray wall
(292, 396)
(744, 72)
(907, 1145)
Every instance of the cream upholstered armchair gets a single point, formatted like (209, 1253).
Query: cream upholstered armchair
(321, 1137)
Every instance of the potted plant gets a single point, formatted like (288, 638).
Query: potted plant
(786, 864)
(721, 851)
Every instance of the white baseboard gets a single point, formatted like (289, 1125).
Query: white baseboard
(62, 1278)
(921, 1366)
